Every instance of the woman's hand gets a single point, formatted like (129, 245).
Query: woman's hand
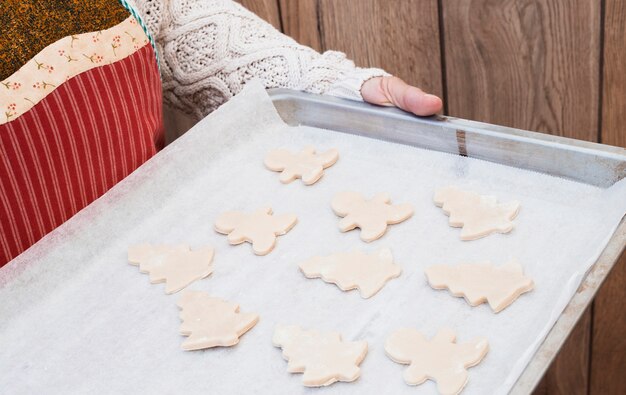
(392, 91)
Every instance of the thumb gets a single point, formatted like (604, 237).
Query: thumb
(392, 91)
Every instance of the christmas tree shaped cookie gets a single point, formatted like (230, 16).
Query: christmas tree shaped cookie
(211, 322)
(176, 265)
(259, 228)
(479, 215)
(306, 164)
(322, 356)
(350, 270)
(371, 216)
(440, 359)
(482, 282)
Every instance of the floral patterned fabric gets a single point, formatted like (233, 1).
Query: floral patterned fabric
(64, 59)
(28, 26)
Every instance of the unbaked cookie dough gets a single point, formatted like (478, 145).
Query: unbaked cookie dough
(259, 228)
(372, 216)
(211, 322)
(306, 164)
(355, 269)
(482, 282)
(175, 265)
(322, 356)
(479, 215)
(440, 359)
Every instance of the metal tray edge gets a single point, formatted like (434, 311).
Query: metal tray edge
(591, 163)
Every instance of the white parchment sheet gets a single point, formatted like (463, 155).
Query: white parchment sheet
(75, 317)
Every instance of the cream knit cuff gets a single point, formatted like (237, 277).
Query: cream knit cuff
(349, 85)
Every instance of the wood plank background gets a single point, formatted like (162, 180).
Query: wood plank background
(608, 340)
(554, 66)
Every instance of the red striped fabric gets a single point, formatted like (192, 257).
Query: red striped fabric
(74, 145)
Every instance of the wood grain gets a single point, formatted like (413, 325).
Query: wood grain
(608, 359)
(300, 21)
(531, 64)
(266, 9)
(400, 36)
(614, 74)
(568, 374)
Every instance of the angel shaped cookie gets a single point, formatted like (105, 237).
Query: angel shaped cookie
(355, 269)
(372, 216)
(479, 215)
(259, 228)
(482, 282)
(322, 356)
(175, 265)
(440, 359)
(307, 165)
(211, 322)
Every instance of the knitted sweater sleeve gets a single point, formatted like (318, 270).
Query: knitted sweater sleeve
(209, 49)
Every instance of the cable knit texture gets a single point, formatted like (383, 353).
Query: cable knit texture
(209, 49)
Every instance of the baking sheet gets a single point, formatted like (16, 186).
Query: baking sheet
(75, 317)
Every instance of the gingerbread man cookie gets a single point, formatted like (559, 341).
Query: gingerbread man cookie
(176, 265)
(482, 282)
(372, 216)
(259, 228)
(306, 164)
(322, 356)
(350, 270)
(211, 322)
(440, 359)
(479, 215)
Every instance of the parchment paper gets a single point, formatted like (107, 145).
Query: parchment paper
(77, 318)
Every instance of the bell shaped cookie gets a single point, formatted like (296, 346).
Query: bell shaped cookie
(371, 216)
(440, 359)
(259, 228)
(307, 165)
